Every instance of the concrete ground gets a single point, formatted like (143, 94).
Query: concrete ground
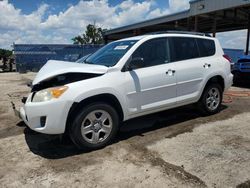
(175, 148)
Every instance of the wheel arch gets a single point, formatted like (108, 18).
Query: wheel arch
(105, 97)
(217, 79)
(214, 79)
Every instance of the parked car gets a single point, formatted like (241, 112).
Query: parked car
(241, 69)
(125, 79)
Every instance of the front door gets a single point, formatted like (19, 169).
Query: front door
(151, 85)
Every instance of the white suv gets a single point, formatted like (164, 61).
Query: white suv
(125, 79)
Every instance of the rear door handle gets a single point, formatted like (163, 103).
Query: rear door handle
(207, 65)
(170, 72)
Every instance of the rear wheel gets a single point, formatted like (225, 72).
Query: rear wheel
(210, 101)
(94, 126)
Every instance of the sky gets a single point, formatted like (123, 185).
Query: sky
(58, 21)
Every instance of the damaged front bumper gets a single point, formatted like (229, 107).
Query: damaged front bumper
(16, 112)
(45, 117)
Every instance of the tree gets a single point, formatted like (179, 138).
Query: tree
(5, 53)
(92, 35)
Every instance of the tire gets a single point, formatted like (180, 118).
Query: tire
(94, 127)
(210, 101)
(237, 79)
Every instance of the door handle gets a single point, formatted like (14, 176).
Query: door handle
(170, 72)
(207, 65)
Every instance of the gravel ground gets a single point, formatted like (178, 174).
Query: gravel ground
(174, 148)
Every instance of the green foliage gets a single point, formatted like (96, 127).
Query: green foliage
(5, 53)
(92, 35)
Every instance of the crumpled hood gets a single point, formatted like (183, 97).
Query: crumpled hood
(53, 68)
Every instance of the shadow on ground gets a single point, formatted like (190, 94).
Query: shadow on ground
(56, 147)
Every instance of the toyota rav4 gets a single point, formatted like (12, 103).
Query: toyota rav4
(125, 79)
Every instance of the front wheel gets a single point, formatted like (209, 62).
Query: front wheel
(210, 101)
(94, 126)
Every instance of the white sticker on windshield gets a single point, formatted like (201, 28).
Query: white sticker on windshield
(122, 47)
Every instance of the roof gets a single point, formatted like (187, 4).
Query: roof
(149, 22)
(135, 37)
(158, 35)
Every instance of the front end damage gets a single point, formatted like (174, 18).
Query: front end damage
(50, 116)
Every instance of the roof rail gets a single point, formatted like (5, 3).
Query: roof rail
(181, 32)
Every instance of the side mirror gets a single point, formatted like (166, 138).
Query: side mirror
(135, 63)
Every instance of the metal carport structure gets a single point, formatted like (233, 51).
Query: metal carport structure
(208, 16)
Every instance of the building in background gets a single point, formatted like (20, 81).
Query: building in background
(207, 16)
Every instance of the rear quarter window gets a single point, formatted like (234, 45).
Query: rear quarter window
(206, 47)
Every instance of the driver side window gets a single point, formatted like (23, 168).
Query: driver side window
(152, 52)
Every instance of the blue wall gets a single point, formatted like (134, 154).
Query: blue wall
(31, 57)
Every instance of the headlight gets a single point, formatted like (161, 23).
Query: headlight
(48, 94)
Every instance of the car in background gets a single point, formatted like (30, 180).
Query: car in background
(241, 69)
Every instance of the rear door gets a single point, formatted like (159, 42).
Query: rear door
(191, 68)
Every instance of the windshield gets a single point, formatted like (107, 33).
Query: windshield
(110, 54)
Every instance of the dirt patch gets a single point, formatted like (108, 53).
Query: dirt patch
(218, 153)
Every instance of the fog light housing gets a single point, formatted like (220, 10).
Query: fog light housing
(42, 121)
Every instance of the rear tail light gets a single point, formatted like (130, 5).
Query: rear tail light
(228, 58)
(229, 61)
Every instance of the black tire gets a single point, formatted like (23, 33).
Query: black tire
(81, 140)
(202, 103)
(237, 80)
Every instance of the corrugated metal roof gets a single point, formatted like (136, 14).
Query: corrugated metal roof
(197, 7)
(171, 17)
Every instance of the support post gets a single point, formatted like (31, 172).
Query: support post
(196, 23)
(176, 25)
(188, 23)
(247, 46)
(214, 27)
(248, 36)
(134, 32)
(105, 39)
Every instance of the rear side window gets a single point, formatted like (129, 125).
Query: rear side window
(183, 48)
(206, 47)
